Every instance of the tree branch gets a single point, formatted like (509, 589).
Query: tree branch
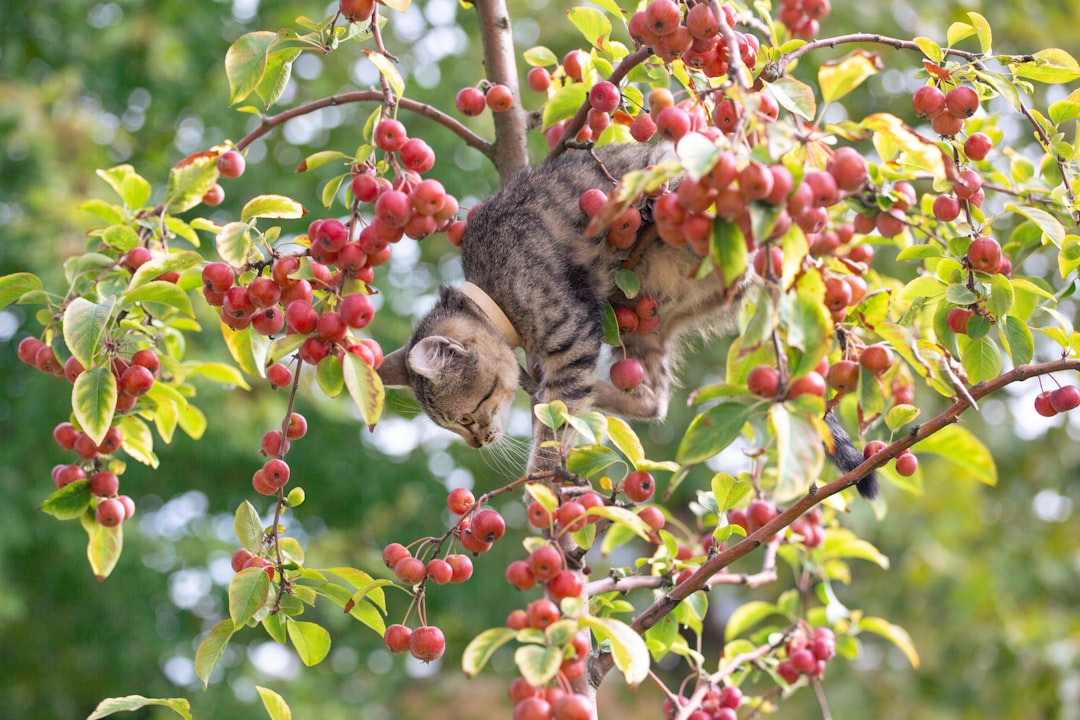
(270, 122)
(510, 153)
(700, 579)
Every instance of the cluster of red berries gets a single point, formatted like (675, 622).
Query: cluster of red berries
(244, 558)
(230, 164)
(642, 317)
(967, 188)
(134, 378)
(275, 472)
(553, 702)
(719, 703)
(842, 376)
(906, 463)
(806, 529)
(803, 17)
(946, 111)
(471, 101)
(1049, 403)
(695, 38)
(807, 654)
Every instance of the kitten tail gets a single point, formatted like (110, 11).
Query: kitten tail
(846, 457)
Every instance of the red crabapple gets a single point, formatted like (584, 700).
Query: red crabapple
(499, 98)
(427, 643)
(110, 512)
(230, 164)
(639, 486)
(1065, 398)
(469, 101)
(984, 254)
(763, 381)
(928, 102)
(605, 96)
(390, 135)
(977, 146)
(627, 374)
(396, 638)
(539, 79)
(957, 319)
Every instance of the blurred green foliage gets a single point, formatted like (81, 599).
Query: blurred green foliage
(987, 580)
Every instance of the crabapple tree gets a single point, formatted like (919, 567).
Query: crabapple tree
(773, 198)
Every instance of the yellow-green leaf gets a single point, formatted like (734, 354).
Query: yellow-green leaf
(482, 647)
(248, 592)
(538, 665)
(365, 387)
(14, 286)
(275, 704)
(233, 243)
(964, 455)
(248, 527)
(211, 648)
(1053, 66)
(130, 703)
(388, 70)
(93, 400)
(69, 502)
(747, 616)
(626, 440)
(1051, 227)
(245, 63)
(628, 649)
(839, 77)
(85, 324)
(800, 450)
(312, 642)
(189, 180)
(176, 262)
(272, 206)
(218, 372)
(983, 31)
(794, 96)
(138, 440)
(895, 634)
(593, 25)
(104, 546)
(563, 103)
(161, 292)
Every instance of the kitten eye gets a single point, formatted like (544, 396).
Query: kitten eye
(466, 420)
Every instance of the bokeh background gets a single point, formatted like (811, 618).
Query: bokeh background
(986, 579)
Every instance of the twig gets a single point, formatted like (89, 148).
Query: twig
(699, 580)
(270, 122)
(510, 152)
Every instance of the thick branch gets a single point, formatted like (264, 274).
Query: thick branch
(270, 122)
(700, 579)
(511, 153)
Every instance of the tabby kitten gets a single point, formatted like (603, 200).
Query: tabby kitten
(535, 280)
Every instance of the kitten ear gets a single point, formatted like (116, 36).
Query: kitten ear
(392, 372)
(435, 356)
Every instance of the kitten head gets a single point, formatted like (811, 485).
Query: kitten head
(463, 372)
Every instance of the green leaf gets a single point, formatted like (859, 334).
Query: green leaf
(130, 703)
(69, 502)
(138, 440)
(312, 642)
(610, 326)
(482, 647)
(621, 516)
(628, 282)
(104, 545)
(747, 616)
(794, 96)
(388, 70)
(189, 180)
(1016, 335)
(552, 414)
(248, 527)
(219, 372)
(234, 242)
(982, 29)
(728, 249)
(842, 543)
(895, 634)
(591, 460)
(712, 431)
(85, 324)
(960, 294)
(1052, 66)
(626, 440)
(981, 360)
(93, 400)
(245, 63)
(808, 322)
(957, 32)
(330, 376)
(176, 262)
(543, 495)
(900, 415)
(537, 664)
(540, 56)
(871, 398)
(729, 491)
(1053, 230)
(248, 592)
(365, 387)
(211, 648)
(120, 237)
(930, 49)
(159, 291)
(800, 450)
(920, 252)
(837, 78)
(563, 103)
(242, 348)
(275, 704)
(628, 649)
(1065, 110)
(964, 455)
(14, 286)
(276, 73)
(593, 25)
(272, 206)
